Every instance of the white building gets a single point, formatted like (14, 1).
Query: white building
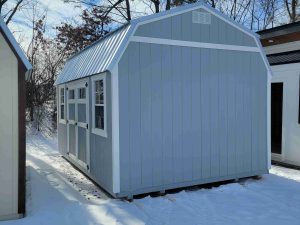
(282, 46)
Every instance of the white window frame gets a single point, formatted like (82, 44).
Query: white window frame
(63, 121)
(95, 130)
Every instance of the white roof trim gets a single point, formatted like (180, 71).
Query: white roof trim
(162, 41)
(15, 44)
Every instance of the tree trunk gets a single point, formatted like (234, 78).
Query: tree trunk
(31, 113)
(128, 10)
(156, 5)
(168, 5)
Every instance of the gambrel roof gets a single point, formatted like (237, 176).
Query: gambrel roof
(12, 41)
(103, 55)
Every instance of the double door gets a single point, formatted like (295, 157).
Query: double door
(78, 122)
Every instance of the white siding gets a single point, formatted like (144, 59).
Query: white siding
(289, 75)
(8, 131)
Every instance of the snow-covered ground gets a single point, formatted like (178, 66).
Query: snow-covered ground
(58, 195)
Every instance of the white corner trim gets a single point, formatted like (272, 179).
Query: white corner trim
(192, 44)
(264, 57)
(269, 120)
(115, 130)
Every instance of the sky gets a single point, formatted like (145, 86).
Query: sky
(56, 12)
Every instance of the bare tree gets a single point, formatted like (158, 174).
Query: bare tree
(292, 7)
(47, 60)
(111, 8)
(8, 9)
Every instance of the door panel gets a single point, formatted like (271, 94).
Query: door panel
(82, 144)
(72, 139)
(71, 111)
(276, 117)
(78, 130)
(82, 113)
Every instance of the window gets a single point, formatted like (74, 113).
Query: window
(99, 106)
(62, 103)
(71, 94)
(82, 93)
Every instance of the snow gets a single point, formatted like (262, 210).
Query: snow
(59, 194)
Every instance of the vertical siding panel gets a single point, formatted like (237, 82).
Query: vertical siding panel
(196, 32)
(165, 30)
(263, 113)
(196, 112)
(214, 111)
(186, 22)
(231, 110)
(167, 107)
(176, 28)
(134, 116)
(177, 113)
(146, 106)
(156, 114)
(204, 30)
(223, 113)
(214, 30)
(124, 122)
(187, 114)
(239, 138)
(247, 113)
(254, 112)
(205, 113)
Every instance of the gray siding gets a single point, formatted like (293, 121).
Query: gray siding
(101, 147)
(190, 115)
(180, 27)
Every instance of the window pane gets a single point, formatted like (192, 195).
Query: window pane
(62, 95)
(71, 94)
(97, 86)
(62, 112)
(97, 98)
(81, 113)
(82, 93)
(71, 111)
(101, 98)
(99, 117)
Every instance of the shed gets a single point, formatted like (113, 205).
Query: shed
(170, 100)
(14, 68)
(282, 46)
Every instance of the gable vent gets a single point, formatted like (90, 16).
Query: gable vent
(201, 17)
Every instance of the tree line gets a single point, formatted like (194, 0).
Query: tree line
(47, 53)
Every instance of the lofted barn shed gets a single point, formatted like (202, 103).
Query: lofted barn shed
(14, 69)
(170, 100)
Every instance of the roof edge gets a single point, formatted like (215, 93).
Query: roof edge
(15, 45)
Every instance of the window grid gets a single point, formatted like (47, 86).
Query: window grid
(99, 105)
